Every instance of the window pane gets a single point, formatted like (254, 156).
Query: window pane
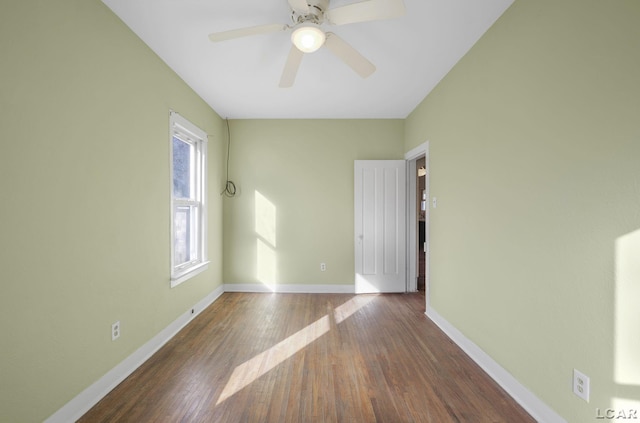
(181, 168)
(182, 222)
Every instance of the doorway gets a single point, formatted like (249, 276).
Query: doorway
(418, 214)
(421, 211)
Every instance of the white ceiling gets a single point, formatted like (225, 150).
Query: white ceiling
(239, 78)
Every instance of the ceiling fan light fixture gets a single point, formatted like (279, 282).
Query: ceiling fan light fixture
(308, 37)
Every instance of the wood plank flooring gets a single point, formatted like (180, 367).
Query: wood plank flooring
(309, 358)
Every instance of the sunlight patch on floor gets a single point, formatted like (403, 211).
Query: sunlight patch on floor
(344, 311)
(246, 373)
(250, 370)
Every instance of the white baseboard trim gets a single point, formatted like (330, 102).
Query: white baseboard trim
(290, 289)
(527, 400)
(83, 402)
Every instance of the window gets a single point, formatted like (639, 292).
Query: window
(188, 199)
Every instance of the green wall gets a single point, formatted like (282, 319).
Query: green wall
(535, 161)
(84, 216)
(302, 171)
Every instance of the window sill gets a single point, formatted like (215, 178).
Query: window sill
(189, 273)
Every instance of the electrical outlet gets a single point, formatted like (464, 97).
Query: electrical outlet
(323, 267)
(115, 330)
(581, 385)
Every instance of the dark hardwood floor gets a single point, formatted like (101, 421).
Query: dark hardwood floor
(309, 358)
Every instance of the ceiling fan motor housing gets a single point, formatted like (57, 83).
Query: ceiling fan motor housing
(315, 15)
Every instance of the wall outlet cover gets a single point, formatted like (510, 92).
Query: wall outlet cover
(115, 330)
(581, 385)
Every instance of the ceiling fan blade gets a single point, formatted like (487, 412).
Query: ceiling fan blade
(299, 6)
(349, 55)
(291, 67)
(371, 10)
(245, 32)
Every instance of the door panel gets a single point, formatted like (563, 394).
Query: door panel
(380, 218)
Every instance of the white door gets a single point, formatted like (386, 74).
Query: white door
(380, 232)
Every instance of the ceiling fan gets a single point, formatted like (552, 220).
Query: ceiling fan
(307, 35)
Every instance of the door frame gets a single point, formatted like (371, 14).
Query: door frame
(412, 157)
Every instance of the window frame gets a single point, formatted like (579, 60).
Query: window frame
(189, 133)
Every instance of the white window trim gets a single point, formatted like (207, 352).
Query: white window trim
(181, 127)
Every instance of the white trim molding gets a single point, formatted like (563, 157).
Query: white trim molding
(86, 399)
(290, 288)
(527, 400)
(414, 153)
